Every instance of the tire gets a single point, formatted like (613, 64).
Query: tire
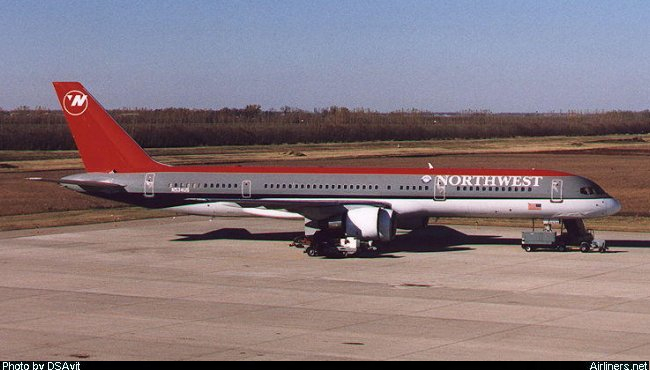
(561, 248)
(312, 252)
(528, 248)
(585, 247)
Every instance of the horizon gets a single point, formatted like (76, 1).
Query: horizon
(321, 110)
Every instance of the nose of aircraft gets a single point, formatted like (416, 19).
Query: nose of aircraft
(612, 206)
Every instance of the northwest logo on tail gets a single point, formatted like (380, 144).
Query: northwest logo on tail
(75, 102)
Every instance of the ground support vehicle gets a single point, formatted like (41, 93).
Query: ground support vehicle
(546, 239)
(572, 233)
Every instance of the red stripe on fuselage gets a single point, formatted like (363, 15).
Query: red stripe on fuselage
(363, 171)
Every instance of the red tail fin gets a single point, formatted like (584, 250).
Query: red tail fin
(103, 145)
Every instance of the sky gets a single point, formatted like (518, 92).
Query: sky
(442, 56)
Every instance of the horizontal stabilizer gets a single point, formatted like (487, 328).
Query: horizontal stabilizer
(94, 184)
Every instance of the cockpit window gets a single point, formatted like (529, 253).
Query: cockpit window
(591, 190)
(598, 190)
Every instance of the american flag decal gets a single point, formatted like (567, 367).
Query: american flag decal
(534, 206)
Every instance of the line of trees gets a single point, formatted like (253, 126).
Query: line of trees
(41, 129)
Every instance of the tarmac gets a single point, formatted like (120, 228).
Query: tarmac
(187, 288)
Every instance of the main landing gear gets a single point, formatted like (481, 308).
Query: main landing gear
(322, 244)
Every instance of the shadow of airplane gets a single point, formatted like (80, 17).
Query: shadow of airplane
(629, 243)
(430, 239)
(238, 234)
(437, 238)
(433, 238)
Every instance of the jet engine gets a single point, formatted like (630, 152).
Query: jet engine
(370, 223)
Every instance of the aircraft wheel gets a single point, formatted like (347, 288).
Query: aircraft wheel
(585, 247)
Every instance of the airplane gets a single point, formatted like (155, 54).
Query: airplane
(345, 210)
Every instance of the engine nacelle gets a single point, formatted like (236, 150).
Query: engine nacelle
(370, 223)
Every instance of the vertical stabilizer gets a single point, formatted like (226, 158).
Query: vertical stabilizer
(103, 145)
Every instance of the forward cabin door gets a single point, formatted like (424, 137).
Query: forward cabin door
(246, 189)
(556, 191)
(439, 189)
(148, 184)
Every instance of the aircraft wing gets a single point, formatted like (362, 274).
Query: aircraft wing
(310, 208)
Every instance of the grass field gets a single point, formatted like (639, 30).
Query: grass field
(619, 163)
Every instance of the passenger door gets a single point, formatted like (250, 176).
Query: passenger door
(556, 191)
(246, 189)
(439, 190)
(149, 185)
